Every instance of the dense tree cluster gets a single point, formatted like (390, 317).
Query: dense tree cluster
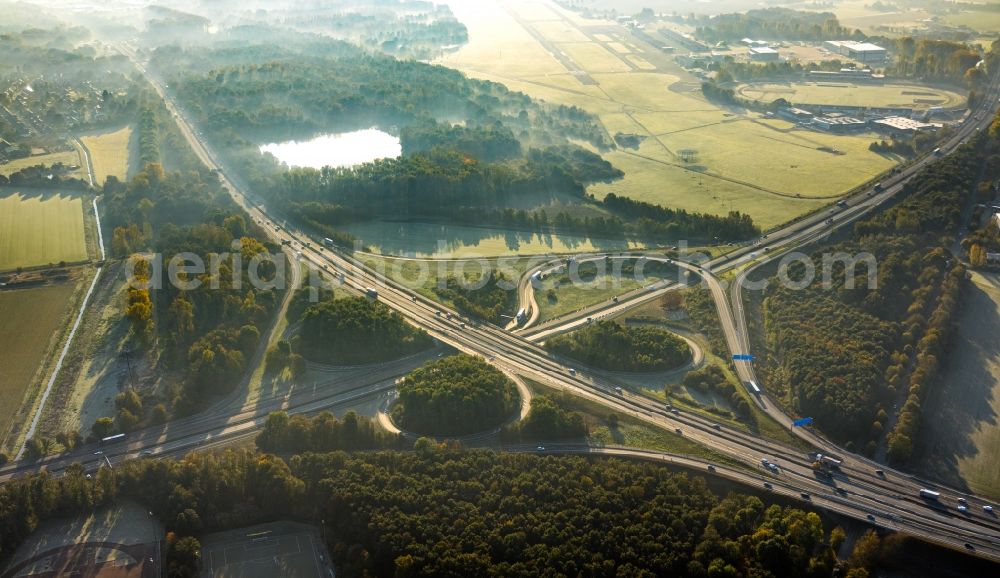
(547, 420)
(936, 60)
(845, 353)
(322, 433)
(487, 298)
(444, 512)
(352, 330)
(456, 395)
(777, 23)
(609, 345)
(712, 378)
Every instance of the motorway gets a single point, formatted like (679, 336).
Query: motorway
(857, 491)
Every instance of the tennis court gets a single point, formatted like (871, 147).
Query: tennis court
(264, 552)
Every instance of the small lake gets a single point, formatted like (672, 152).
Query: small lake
(346, 149)
(434, 240)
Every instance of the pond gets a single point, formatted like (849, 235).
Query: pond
(436, 240)
(346, 149)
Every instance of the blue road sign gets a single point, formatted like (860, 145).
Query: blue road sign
(802, 422)
(742, 357)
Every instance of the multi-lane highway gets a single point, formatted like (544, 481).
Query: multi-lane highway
(888, 500)
(891, 498)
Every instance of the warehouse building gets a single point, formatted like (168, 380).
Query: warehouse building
(763, 54)
(899, 125)
(864, 52)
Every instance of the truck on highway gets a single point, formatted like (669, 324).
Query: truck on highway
(825, 462)
(328, 241)
(371, 292)
(929, 494)
(522, 316)
(878, 187)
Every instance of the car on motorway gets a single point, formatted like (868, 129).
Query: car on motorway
(618, 390)
(99, 453)
(988, 509)
(572, 371)
(969, 546)
(871, 518)
(880, 473)
(678, 431)
(768, 485)
(805, 495)
(717, 426)
(711, 468)
(540, 449)
(764, 462)
(963, 509)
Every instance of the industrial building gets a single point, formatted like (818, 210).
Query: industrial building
(900, 125)
(763, 54)
(839, 123)
(795, 114)
(863, 52)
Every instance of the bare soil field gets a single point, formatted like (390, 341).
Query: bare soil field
(31, 321)
(116, 542)
(960, 433)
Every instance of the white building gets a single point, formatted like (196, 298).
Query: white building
(864, 52)
(763, 54)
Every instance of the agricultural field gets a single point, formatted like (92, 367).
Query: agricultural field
(40, 229)
(848, 94)
(693, 153)
(31, 317)
(109, 153)
(67, 158)
(960, 437)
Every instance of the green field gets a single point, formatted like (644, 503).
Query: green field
(30, 319)
(574, 296)
(769, 169)
(40, 229)
(109, 154)
(843, 93)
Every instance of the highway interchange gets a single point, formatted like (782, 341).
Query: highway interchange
(889, 500)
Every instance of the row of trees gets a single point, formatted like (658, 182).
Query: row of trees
(487, 298)
(713, 378)
(608, 345)
(930, 350)
(322, 433)
(780, 23)
(455, 395)
(440, 511)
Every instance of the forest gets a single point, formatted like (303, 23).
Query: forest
(848, 353)
(356, 330)
(443, 511)
(454, 396)
(615, 347)
(208, 330)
